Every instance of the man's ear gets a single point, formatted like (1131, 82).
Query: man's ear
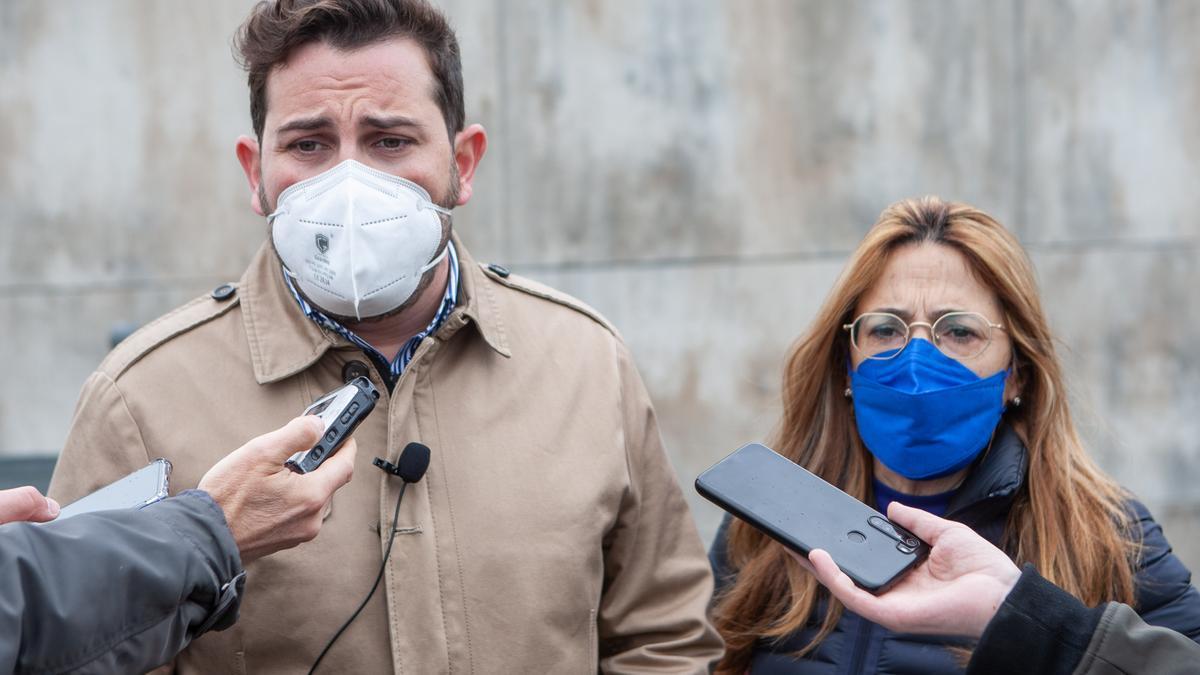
(469, 146)
(251, 160)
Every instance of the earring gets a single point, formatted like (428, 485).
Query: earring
(848, 393)
(1016, 401)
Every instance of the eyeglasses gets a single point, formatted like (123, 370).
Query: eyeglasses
(959, 335)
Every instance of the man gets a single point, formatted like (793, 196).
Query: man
(1024, 623)
(123, 591)
(549, 534)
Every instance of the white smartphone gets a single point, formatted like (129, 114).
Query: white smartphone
(137, 490)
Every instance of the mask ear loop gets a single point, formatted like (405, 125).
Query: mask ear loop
(437, 259)
(425, 204)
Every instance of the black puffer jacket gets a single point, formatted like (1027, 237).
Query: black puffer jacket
(1165, 595)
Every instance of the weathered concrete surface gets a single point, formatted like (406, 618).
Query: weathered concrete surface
(52, 342)
(117, 160)
(1126, 316)
(684, 129)
(696, 169)
(1111, 131)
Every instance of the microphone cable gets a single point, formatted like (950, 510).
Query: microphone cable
(406, 471)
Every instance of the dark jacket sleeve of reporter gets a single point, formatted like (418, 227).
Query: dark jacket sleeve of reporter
(1164, 594)
(1041, 628)
(118, 591)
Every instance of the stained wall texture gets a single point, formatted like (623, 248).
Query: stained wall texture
(696, 169)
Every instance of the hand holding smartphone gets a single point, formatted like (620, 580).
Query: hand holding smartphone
(341, 411)
(803, 512)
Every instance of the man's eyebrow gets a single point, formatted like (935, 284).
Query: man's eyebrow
(305, 124)
(389, 121)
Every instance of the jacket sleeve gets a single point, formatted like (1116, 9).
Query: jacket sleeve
(115, 591)
(718, 557)
(1123, 643)
(103, 444)
(657, 583)
(1041, 628)
(1164, 592)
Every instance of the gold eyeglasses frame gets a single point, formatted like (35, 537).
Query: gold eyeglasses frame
(908, 331)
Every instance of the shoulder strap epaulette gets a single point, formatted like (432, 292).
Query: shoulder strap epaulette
(516, 282)
(176, 322)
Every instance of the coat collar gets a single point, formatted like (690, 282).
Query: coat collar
(284, 342)
(997, 475)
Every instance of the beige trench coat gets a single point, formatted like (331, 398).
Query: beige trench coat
(548, 536)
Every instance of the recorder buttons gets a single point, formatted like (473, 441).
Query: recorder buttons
(856, 536)
(349, 414)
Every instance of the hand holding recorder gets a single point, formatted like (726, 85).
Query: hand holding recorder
(956, 591)
(264, 488)
(268, 506)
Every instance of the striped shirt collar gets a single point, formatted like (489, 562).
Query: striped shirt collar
(390, 371)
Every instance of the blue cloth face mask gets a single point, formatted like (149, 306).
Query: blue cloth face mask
(923, 414)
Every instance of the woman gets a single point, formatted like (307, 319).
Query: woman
(929, 378)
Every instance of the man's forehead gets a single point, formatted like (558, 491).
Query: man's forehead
(380, 78)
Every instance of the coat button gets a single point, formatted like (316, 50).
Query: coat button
(499, 270)
(224, 292)
(355, 369)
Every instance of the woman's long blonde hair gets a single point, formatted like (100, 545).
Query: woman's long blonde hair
(1069, 519)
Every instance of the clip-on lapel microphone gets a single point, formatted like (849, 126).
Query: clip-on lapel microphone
(409, 467)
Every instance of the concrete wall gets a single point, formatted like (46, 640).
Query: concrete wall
(696, 169)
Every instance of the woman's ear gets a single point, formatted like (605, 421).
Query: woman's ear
(1014, 384)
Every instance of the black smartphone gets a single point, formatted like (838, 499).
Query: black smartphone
(803, 512)
(141, 488)
(341, 410)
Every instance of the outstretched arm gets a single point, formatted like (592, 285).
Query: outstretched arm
(1024, 623)
(125, 590)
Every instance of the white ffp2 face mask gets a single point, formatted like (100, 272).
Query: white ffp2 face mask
(355, 240)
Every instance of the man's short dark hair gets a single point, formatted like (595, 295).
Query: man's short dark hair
(275, 28)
